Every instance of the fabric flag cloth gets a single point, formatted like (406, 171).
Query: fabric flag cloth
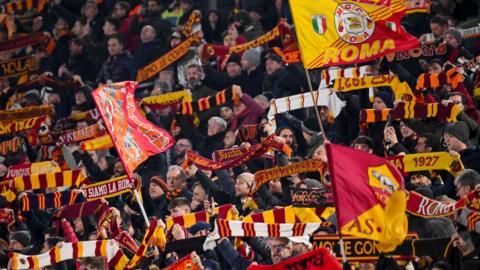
(103, 142)
(319, 258)
(68, 251)
(324, 97)
(333, 33)
(369, 196)
(182, 264)
(134, 137)
(233, 228)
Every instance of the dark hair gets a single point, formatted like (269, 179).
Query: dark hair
(95, 262)
(180, 201)
(114, 21)
(441, 264)
(118, 37)
(125, 5)
(464, 98)
(82, 20)
(431, 140)
(469, 178)
(364, 140)
(439, 20)
(53, 241)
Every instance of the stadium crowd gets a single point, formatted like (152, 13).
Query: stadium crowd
(102, 42)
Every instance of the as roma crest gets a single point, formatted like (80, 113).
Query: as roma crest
(319, 23)
(382, 179)
(354, 25)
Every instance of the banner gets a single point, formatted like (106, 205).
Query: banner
(100, 143)
(311, 165)
(110, 188)
(11, 146)
(69, 251)
(79, 135)
(21, 125)
(412, 110)
(25, 113)
(364, 250)
(255, 151)
(422, 51)
(399, 88)
(377, 211)
(168, 99)
(134, 137)
(344, 33)
(428, 162)
(27, 169)
(16, 67)
(230, 154)
(167, 59)
(306, 197)
(318, 258)
(184, 263)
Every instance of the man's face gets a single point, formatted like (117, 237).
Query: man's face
(229, 139)
(147, 34)
(405, 130)
(420, 180)
(434, 68)
(279, 250)
(14, 245)
(271, 66)
(77, 29)
(241, 187)
(119, 12)
(75, 49)
(155, 191)
(453, 143)
(179, 211)
(378, 104)
(362, 147)
(181, 147)
(199, 194)
(451, 41)
(108, 28)
(152, 7)
(421, 146)
(114, 47)
(287, 135)
(174, 179)
(118, 168)
(193, 76)
(457, 100)
(234, 69)
(462, 191)
(213, 128)
(226, 113)
(437, 29)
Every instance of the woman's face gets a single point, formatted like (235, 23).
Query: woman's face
(212, 17)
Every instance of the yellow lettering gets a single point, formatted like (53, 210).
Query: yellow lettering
(331, 55)
(366, 51)
(389, 44)
(349, 54)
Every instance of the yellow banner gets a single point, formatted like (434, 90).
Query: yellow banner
(400, 89)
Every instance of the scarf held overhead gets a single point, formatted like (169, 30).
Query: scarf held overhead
(25, 113)
(18, 66)
(167, 99)
(428, 162)
(255, 151)
(11, 146)
(100, 143)
(306, 197)
(204, 104)
(21, 125)
(188, 220)
(49, 180)
(226, 155)
(110, 188)
(33, 202)
(27, 169)
(80, 135)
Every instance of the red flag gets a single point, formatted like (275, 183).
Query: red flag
(369, 196)
(134, 137)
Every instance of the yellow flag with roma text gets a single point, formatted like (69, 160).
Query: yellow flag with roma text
(338, 32)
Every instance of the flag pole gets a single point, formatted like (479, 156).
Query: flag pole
(315, 102)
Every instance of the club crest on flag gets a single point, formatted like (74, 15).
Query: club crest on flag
(382, 180)
(353, 23)
(319, 23)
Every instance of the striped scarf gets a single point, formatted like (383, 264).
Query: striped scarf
(311, 165)
(19, 6)
(284, 215)
(182, 264)
(79, 135)
(329, 75)
(194, 19)
(324, 98)
(247, 133)
(68, 251)
(26, 113)
(32, 202)
(400, 89)
(428, 162)
(188, 220)
(204, 104)
(412, 110)
(14, 126)
(11, 146)
(436, 80)
(232, 228)
(25, 169)
(153, 236)
(96, 208)
(168, 99)
(470, 219)
(49, 180)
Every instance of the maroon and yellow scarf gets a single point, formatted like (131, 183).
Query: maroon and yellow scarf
(79, 135)
(17, 67)
(21, 125)
(32, 202)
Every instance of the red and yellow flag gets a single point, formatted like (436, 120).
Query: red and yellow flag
(369, 196)
(134, 137)
(334, 32)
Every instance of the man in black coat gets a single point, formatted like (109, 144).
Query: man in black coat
(118, 66)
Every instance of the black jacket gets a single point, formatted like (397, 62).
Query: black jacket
(117, 68)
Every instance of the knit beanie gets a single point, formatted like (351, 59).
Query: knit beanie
(458, 130)
(386, 97)
(22, 237)
(242, 17)
(234, 58)
(456, 34)
(157, 180)
(252, 56)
